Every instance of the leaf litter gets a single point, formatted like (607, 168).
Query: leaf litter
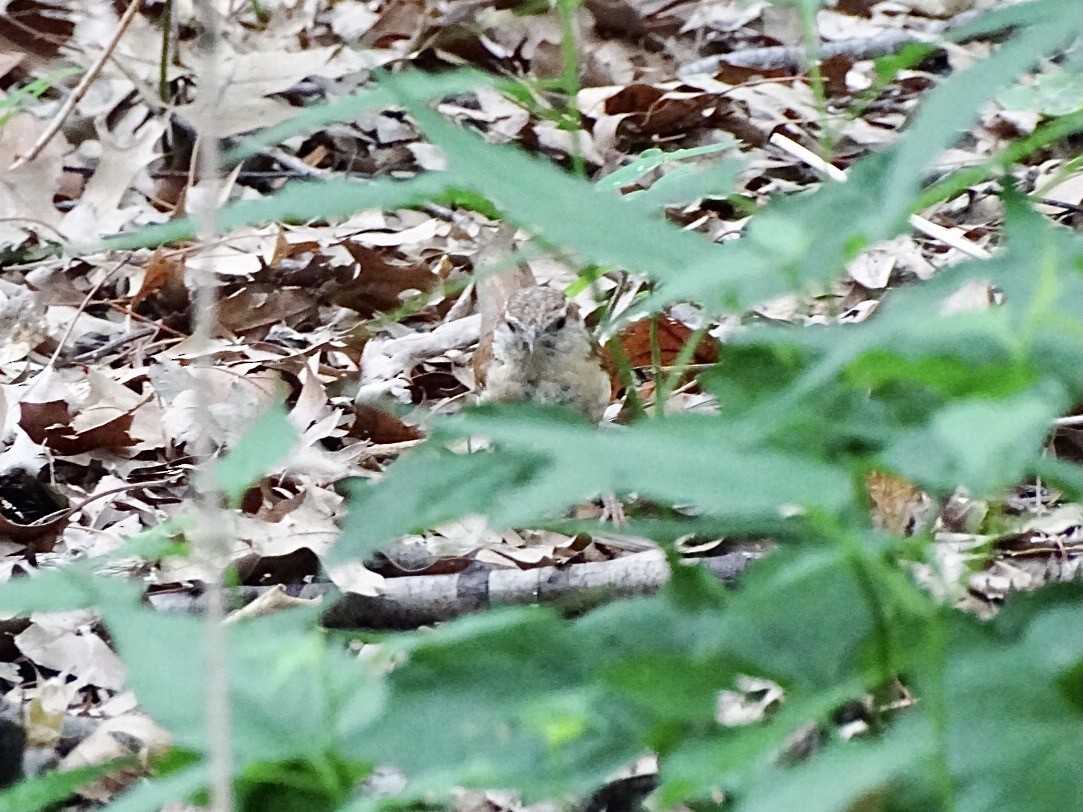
(368, 325)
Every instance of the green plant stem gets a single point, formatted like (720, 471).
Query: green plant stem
(262, 15)
(937, 699)
(826, 139)
(670, 382)
(569, 80)
(656, 366)
(627, 378)
(958, 182)
(856, 557)
(911, 55)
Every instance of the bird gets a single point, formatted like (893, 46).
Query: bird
(543, 352)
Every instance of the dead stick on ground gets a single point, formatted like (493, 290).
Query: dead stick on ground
(420, 600)
(795, 57)
(81, 88)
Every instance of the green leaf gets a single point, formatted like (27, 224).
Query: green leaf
(1053, 94)
(264, 446)
(1036, 331)
(1010, 708)
(293, 692)
(503, 699)
(428, 487)
(355, 105)
(688, 183)
(153, 794)
(42, 791)
(298, 202)
(844, 772)
(73, 586)
(806, 619)
(983, 446)
(654, 158)
(545, 462)
(953, 377)
(952, 106)
(600, 226)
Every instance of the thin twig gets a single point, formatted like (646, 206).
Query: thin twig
(1060, 204)
(94, 497)
(81, 88)
(948, 236)
(79, 311)
(120, 341)
(127, 311)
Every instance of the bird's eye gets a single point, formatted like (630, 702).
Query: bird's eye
(559, 323)
(513, 327)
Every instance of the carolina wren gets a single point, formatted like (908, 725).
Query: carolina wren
(543, 352)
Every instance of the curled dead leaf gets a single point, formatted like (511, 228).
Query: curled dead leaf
(53, 424)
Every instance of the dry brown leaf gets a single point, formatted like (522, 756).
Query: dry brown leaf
(672, 336)
(379, 282)
(257, 307)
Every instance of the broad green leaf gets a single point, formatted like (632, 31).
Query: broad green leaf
(952, 106)
(265, 445)
(73, 586)
(952, 377)
(1032, 658)
(810, 237)
(545, 461)
(983, 445)
(1037, 331)
(501, 699)
(293, 692)
(599, 225)
(807, 618)
(524, 698)
(836, 778)
(429, 486)
(1053, 94)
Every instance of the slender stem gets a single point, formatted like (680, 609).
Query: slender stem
(680, 364)
(936, 696)
(212, 535)
(163, 61)
(811, 37)
(569, 79)
(656, 367)
(627, 377)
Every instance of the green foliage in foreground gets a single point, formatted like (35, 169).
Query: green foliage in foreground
(530, 700)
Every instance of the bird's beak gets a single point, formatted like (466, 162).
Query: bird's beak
(530, 335)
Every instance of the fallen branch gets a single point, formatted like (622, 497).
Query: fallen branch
(420, 600)
(795, 57)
